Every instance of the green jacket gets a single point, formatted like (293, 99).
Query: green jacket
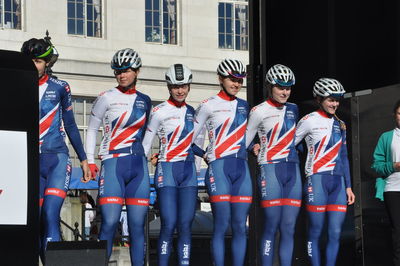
(383, 162)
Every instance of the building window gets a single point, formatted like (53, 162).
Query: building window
(84, 18)
(82, 108)
(10, 14)
(233, 23)
(161, 21)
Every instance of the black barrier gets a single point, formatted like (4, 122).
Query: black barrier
(19, 115)
(77, 253)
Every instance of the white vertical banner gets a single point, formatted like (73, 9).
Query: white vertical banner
(13, 178)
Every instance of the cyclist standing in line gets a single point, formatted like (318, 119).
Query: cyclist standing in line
(328, 186)
(56, 115)
(227, 179)
(279, 182)
(175, 175)
(124, 177)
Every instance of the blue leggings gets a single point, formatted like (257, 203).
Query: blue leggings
(325, 194)
(176, 184)
(229, 187)
(55, 173)
(280, 189)
(125, 179)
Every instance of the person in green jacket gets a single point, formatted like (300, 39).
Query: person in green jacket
(387, 164)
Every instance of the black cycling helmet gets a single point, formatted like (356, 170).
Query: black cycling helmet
(38, 48)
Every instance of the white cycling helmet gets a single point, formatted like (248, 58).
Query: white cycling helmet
(231, 67)
(281, 75)
(326, 87)
(126, 58)
(178, 74)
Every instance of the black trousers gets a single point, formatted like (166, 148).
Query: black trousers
(392, 203)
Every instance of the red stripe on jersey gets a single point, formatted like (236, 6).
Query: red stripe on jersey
(222, 130)
(316, 208)
(127, 132)
(220, 198)
(118, 124)
(282, 144)
(321, 144)
(55, 192)
(291, 202)
(241, 199)
(336, 208)
(41, 202)
(327, 157)
(230, 141)
(135, 201)
(273, 135)
(270, 203)
(111, 200)
(45, 125)
(180, 148)
(173, 137)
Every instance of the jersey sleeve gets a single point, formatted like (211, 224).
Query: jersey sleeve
(96, 117)
(345, 161)
(302, 130)
(252, 126)
(200, 118)
(69, 122)
(151, 130)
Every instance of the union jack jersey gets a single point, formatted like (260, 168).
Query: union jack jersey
(124, 116)
(225, 118)
(174, 127)
(276, 127)
(325, 138)
(55, 109)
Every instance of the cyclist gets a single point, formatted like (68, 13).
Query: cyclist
(56, 118)
(175, 175)
(279, 182)
(124, 177)
(328, 186)
(227, 179)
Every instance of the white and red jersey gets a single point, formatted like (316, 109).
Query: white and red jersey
(124, 116)
(225, 118)
(173, 124)
(325, 138)
(276, 127)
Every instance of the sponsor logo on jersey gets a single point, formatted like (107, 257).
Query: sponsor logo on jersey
(289, 114)
(263, 183)
(222, 110)
(242, 110)
(140, 104)
(189, 117)
(116, 104)
(336, 128)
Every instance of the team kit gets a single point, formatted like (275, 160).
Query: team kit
(130, 125)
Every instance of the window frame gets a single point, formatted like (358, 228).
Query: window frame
(3, 12)
(161, 23)
(85, 20)
(234, 34)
